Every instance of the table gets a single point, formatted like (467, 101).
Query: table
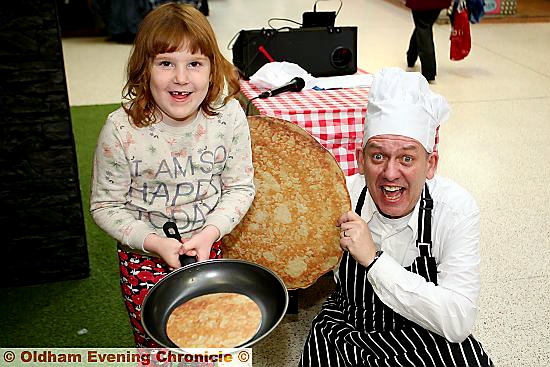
(333, 117)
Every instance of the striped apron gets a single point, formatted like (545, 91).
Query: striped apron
(354, 328)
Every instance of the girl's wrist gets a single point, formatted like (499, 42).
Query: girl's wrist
(211, 232)
(150, 242)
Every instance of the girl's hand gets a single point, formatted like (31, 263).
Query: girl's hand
(356, 238)
(169, 249)
(200, 243)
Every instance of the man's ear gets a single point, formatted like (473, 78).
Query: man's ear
(433, 159)
(360, 156)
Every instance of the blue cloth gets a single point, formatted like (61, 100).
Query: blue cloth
(476, 10)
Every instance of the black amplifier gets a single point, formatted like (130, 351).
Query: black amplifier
(321, 51)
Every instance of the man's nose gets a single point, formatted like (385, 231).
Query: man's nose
(391, 170)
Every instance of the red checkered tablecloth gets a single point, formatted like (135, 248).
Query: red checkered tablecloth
(334, 117)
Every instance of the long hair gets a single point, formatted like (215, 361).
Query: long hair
(169, 28)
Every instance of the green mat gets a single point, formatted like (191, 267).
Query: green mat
(81, 313)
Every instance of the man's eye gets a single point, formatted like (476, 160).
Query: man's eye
(377, 156)
(407, 159)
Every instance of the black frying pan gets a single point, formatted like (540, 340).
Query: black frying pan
(213, 276)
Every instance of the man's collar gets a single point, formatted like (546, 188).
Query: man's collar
(370, 208)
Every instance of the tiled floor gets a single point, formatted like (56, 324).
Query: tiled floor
(496, 144)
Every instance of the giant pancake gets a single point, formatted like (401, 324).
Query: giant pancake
(300, 193)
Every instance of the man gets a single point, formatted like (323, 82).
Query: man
(408, 284)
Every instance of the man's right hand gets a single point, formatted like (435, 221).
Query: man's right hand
(356, 238)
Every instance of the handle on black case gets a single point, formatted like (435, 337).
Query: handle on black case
(171, 231)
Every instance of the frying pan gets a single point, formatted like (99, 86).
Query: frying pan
(196, 279)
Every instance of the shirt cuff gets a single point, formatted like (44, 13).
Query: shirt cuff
(384, 273)
(137, 238)
(220, 222)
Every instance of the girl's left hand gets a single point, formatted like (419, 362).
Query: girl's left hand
(200, 243)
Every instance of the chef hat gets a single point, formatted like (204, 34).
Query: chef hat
(401, 103)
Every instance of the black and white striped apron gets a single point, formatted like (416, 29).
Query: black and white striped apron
(354, 328)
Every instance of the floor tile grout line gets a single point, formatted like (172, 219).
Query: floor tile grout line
(500, 100)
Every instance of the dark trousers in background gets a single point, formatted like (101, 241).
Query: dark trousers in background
(421, 44)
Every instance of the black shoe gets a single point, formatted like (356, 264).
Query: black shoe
(429, 78)
(410, 61)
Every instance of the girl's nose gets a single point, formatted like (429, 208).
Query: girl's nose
(180, 76)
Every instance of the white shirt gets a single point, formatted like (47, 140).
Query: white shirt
(448, 309)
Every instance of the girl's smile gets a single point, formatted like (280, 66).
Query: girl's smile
(179, 84)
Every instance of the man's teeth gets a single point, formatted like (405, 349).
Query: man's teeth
(391, 188)
(392, 193)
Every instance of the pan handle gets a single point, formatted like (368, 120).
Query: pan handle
(171, 231)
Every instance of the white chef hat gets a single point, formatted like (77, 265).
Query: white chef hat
(401, 103)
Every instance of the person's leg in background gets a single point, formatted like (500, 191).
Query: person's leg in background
(412, 52)
(421, 44)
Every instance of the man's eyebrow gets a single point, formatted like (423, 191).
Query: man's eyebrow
(410, 147)
(377, 146)
(373, 145)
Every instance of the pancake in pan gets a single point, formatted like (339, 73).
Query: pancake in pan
(217, 320)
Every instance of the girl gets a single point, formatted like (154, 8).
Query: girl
(177, 150)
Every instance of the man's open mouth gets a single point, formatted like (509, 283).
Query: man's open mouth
(392, 193)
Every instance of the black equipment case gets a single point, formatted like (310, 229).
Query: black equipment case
(321, 51)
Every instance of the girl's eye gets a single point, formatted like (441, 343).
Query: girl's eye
(165, 63)
(194, 64)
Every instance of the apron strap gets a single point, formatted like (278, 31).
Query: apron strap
(361, 201)
(424, 240)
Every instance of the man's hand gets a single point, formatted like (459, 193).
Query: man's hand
(356, 238)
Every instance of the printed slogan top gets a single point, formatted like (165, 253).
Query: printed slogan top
(195, 175)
